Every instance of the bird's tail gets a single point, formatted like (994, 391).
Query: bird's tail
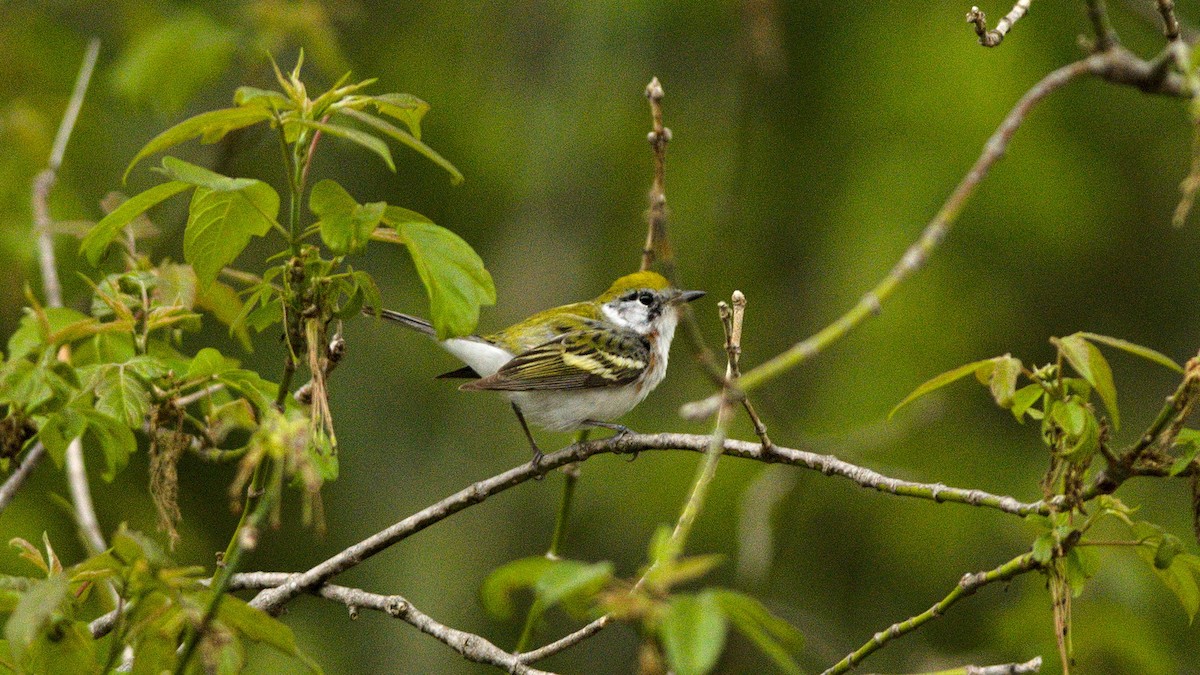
(415, 323)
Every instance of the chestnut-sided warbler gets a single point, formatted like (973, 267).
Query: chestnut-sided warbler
(578, 365)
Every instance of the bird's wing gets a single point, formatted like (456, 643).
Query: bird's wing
(584, 359)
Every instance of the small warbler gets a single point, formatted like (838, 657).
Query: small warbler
(578, 365)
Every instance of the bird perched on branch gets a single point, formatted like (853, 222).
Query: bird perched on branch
(574, 366)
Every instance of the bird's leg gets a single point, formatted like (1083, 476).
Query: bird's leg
(621, 430)
(537, 452)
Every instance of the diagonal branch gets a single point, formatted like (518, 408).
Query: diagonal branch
(274, 599)
(473, 647)
(17, 479)
(1115, 65)
(968, 585)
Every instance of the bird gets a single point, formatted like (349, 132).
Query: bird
(575, 366)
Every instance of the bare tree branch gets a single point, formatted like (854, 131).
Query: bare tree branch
(1116, 65)
(14, 482)
(273, 599)
(1170, 24)
(966, 586)
(992, 38)
(81, 495)
(473, 647)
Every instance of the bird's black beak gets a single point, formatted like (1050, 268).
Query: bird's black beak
(688, 296)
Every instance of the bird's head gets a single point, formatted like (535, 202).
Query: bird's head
(644, 302)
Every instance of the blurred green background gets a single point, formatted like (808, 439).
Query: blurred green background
(812, 141)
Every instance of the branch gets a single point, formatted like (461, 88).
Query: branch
(1116, 65)
(14, 482)
(81, 495)
(1106, 36)
(1170, 24)
(273, 599)
(966, 586)
(658, 247)
(992, 38)
(1033, 665)
(473, 647)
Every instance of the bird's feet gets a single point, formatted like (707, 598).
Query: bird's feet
(620, 429)
(536, 462)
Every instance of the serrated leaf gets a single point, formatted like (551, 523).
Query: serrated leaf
(1135, 349)
(31, 334)
(1003, 380)
(122, 396)
(406, 138)
(114, 438)
(210, 127)
(96, 241)
(220, 225)
(1087, 360)
(345, 225)
(355, 136)
(692, 633)
(981, 369)
(452, 272)
(773, 636)
(497, 589)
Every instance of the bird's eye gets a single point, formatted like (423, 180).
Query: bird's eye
(646, 298)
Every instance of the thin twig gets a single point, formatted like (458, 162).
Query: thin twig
(1033, 665)
(1115, 65)
(274, 599)
(1170, 23)
(658, 246)
(993, 37)
(1106, 35)
(76, 470)
(14, 482)
(968, 585)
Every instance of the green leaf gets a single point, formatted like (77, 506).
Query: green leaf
(59, 430)
(209, 362)
(220, 225)
(114, 439)
(497, 589)
(258, 626)
(1003, 380)
(404, 137)
(122, 396)
(692, 632)
(268, 99)
(1087, 360)
(1169, 547)
(1079, 425)
(1024, 399)
(31, 336)
(981, 369)
(224, 303)
(573, 583)
(773, 636)
(201, 177)
(355, 136)
(452, 272)
(1043, 547)
(1082, 564)
(1190, 448)
(210, 127)
(346, 225)
(96, 241)
(404, 107)
(1135, 349)
(34, 612)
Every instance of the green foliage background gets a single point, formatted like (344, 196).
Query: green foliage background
(812, 141)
